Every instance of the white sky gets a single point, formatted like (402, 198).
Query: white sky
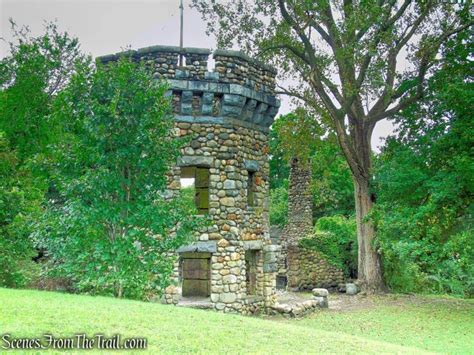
(107, 26)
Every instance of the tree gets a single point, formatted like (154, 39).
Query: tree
(424, 179)
(20, 203)
(31, 76)
(112, 230)
(331, 187)
(347, 56)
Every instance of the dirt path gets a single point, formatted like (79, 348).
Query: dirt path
(342, 302)
(339, 302)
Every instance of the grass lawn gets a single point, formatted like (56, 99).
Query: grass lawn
(390, 324)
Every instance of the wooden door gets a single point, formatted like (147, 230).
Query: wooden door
(196, 277)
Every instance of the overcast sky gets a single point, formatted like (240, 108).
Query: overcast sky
(107, 26)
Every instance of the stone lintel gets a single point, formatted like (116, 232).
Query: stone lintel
(200, 161)
(271, 248)
(251, 165)
(253, 245)
(199, 247)
(195, 255)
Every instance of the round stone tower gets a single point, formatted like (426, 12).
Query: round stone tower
(226, 113)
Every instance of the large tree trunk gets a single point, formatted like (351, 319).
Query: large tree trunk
(369, 266)
(359, 160)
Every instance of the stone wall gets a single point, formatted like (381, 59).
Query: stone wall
(300, 202)
(309, 269)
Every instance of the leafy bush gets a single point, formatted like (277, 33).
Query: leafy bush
(110, 228)
(279, 205)
(417, 263)
(335, 238)
(19, 204)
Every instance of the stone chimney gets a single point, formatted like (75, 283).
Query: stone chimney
(300, 202)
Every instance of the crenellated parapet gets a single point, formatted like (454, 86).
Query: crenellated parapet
(239, 91)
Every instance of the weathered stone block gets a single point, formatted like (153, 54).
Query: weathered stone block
(199, 247)
(182, 74)
(200, 161)
(198, 85)
(273, 267)
(229, 185)
(320, 292)
(251, 165)
(228, 201)
(229, 279)
(233, 100)
(253, 245)
(207, 98)
(232, 111)
(351, 289)
(322, 301)
(211, 76)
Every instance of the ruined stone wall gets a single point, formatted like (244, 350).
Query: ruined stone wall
(300, 216)
(300, 203)
(232, 67)
(303, 268)
(240, 69)
(309, 269)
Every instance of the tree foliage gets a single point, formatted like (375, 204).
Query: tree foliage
(425, 184)
(111, 230)
(36, 69)
(298, 134)
(20, 198)
(335, 238)
(30, 77)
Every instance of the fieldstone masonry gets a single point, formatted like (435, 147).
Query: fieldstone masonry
(226, 115)
(303, 269)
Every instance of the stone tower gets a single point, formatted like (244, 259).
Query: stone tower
(226, 113)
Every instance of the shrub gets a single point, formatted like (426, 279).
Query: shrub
(279, 205)
(335, 238)
(110, 230)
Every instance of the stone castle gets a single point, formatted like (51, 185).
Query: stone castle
(226, 113)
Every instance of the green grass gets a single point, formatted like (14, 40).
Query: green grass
(427, 325)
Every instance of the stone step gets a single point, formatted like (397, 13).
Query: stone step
(197, 303)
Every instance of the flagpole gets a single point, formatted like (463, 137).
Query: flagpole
(181, 8)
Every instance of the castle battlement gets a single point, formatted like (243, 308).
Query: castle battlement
(230, 66)
(240, 90)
